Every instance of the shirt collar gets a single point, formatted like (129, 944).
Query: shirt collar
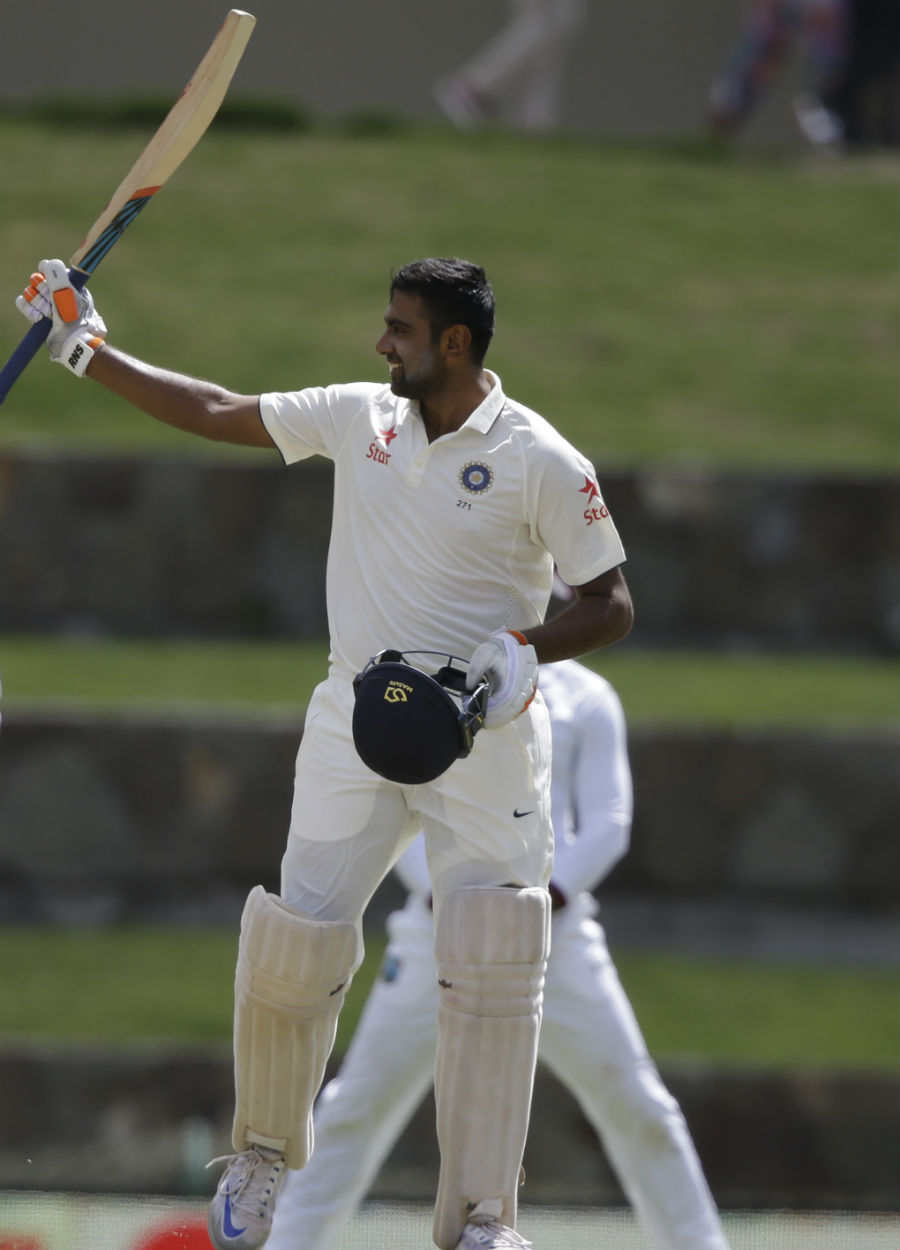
(488, 410)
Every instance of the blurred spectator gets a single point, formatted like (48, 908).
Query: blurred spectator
(772, 28)
(518, 75)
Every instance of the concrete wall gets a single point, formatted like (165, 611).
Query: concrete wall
(639, 70)
(111, 818)
(792, 562)
(146, 1119)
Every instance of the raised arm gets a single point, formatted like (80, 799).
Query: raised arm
(190, 404)
(77, 340)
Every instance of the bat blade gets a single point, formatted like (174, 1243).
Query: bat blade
(184, 125)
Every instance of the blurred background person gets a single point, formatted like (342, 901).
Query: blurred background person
(518, 75)
(770, 30)
(589, 1038)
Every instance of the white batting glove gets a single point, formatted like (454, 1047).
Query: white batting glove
(78, 329)
(510, 664)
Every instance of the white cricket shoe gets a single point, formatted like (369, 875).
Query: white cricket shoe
(466, 107)
(484, 1232)
(240, 1217)
(823, 128)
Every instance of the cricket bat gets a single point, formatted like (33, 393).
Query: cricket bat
(182, 129)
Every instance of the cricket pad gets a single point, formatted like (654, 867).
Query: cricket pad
(292, 975)
(492, 946)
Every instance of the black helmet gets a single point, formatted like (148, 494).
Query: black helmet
(409, 726)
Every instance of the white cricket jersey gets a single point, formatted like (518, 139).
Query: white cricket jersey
(435, 546)
(590, 792)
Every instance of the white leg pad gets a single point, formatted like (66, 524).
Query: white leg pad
(292, 975)
(492, 946)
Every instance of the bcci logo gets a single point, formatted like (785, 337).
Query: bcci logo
(476, 478)
(397, 692)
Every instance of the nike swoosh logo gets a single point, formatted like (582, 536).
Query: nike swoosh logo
(229, 1228)
(517, 813)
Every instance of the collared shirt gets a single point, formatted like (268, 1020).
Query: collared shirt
(436, 545)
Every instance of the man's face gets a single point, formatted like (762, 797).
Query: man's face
(415, 361)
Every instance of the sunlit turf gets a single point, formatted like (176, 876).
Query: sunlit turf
(253, 678)
(658, 304)
(131, 985)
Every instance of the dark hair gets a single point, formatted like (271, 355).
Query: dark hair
(455, 292)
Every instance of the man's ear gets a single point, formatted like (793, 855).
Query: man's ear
(456, 340)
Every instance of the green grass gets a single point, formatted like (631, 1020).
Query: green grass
(674, 688)
(170, 985)
(743, 1012)
(658, 305)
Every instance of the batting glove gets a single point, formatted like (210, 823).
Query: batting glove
(78, 329)
(510, 664)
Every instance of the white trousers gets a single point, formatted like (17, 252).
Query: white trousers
(486, 819)
(590, 1039)
(524, 62)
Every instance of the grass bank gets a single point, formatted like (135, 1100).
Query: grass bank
(131, 985)
(657, 304)
(253, 678)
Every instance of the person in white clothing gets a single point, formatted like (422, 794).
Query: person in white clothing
(589, 1038)
(451, 504)
(519, 74)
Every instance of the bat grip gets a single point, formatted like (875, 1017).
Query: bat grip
(34, 337)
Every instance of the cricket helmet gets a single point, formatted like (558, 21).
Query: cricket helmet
(408, 725)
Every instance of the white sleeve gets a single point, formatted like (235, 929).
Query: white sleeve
(602, 795)
(313, 421)
(569, 517)
(412, 868)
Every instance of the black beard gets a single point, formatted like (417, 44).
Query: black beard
(400, 386)
(420, 388)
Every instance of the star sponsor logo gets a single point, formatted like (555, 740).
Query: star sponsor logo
(378, 448)
(590, 489)
(595, 511)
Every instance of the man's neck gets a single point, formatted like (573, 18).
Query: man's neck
(448, 411)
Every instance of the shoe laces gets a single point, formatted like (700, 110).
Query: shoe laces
(505, 1236)
(255, 1181)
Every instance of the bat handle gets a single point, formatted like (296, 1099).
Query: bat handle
(34, 337)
